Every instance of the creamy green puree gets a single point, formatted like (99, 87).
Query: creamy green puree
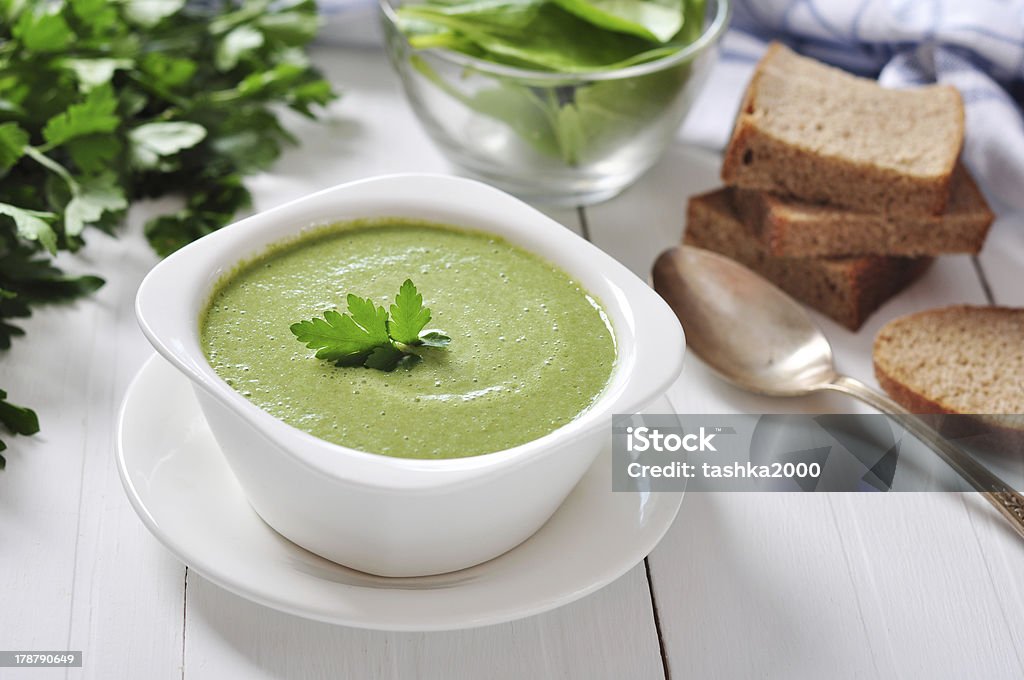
(530, 348)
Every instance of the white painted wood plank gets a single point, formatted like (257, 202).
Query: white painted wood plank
(609, 634)
(940, 604)
(757, 585)
(88, 577)
(39, 490)
(1002, 260)
(760, 585)
(127, 592)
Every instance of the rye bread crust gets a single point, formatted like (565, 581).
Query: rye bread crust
(793, 228)
(995, 430)
(906, 397)
(977, 375)
(994, 433)
(847, 290)
(756, 158)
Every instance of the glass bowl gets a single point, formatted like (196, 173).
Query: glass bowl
(563, 139)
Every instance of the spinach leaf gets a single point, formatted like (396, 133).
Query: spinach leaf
(537, 38)
(493, 14)
(604, 114)
(576, 124)
(693, 20)
(658, 20)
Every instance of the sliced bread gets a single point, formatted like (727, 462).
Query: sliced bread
(793, 228)
(846, 289)
(958, 359)
(822, 135)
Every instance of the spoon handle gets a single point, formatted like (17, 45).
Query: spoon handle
(1008, 502)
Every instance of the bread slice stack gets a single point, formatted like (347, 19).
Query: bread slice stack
(838, 190)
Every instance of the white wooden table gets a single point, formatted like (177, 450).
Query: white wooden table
(744, 585)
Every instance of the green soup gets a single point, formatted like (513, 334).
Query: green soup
(530, 348)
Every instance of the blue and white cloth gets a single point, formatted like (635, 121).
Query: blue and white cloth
(975, 45)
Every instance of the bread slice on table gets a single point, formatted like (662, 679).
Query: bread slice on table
(822, 135)
(794, 228)
(958, 359)
(846, 289)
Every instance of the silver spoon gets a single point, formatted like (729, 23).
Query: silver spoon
(758, 338)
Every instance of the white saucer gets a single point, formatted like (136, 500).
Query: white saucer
(181, 487)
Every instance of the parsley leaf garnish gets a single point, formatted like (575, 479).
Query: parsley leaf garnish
(408, 315)
(368, 336)
(346, 339)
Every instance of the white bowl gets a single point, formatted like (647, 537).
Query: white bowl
(397, 516)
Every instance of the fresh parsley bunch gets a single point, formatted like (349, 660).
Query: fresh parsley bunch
(102, 103)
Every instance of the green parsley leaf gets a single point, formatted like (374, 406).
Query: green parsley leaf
(32, 225)
(275, 82)
(42, 31)
(95, 114)
(26, 277)
(434, 339)
(237, 43)
(149, 13)
(408, 315)
(97, 15)
(60, 288)
(370, 317)
(93, 72)
(153, 141)
(303, 96)
(11, 307)
(339, 338)
(384, 358)
(94, 153)
(211, 204)
(12, 144)
(292, 28)
(366, 336)
(167, 70)
(247, 12)
(17, 419)
(101, 195)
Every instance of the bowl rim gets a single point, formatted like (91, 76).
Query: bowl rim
(171, 296)
(708, 37)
